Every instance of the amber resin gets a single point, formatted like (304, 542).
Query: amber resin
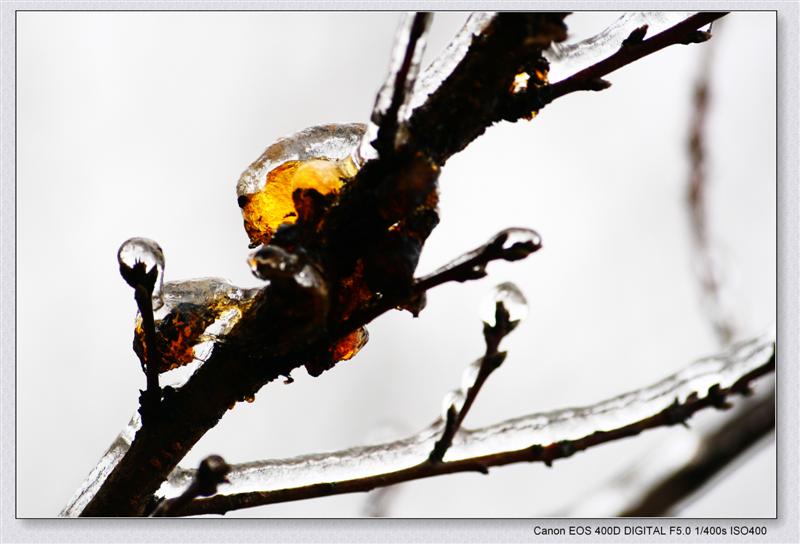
(273, 205)
(349, 346)
(194, 312)
(318, 159)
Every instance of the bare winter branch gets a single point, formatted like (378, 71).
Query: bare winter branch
(491, 361)
(538, 437)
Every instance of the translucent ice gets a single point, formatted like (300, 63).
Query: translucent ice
(195, 313)
(455, 400)
(518, 242)
(99, 473)
(433, 76)
(148, 253)
(409, 46)
(510, 297)
(319, 158)
(580, 51)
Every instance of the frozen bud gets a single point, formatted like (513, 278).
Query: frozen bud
(213, 470)
(517, 243)
(141, 262)
(510, 298)
(455, 399)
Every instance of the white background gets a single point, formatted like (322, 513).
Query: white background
(139, 124)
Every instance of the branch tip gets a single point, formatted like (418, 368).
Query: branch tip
(597, 84)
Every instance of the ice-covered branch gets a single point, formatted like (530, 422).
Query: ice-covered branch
(544, 437)
(477, 78)
(657, 482)
(631, 50)
(394, 97)
(362, 256)
(495, 327)
(141, 264)
(657, 485)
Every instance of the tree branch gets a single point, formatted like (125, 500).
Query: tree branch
(706, 383)
(624, 489)
(493, 334)
(398, 187)
(510, 245)
(140, 262)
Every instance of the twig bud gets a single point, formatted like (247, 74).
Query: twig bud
(635, 37)
(696, 36)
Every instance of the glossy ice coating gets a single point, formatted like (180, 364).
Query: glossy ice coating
(333, 142)
(511, 297)
(149, 253)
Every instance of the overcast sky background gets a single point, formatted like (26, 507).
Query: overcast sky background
(139, 124)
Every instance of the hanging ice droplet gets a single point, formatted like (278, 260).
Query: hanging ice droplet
(319, 158)
(455, 399)
(144, 252)
(517, 242)
(511, 298)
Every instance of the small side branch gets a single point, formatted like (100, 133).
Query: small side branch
(491, 361)
(210, 474)
(511, 244)
(399, 88)
(143, 281)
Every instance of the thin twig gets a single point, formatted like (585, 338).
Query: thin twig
(143, 282)
(491, 361)
(511, 244)
(677, 413)
(591, 78)
(413, 33)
